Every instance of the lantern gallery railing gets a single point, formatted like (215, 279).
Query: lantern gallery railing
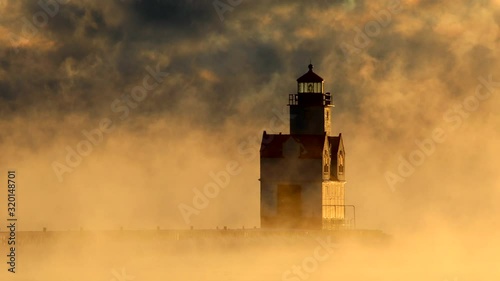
(310, 99)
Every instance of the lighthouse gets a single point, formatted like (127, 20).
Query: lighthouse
(302, 174)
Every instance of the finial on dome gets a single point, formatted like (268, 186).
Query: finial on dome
(310, 67)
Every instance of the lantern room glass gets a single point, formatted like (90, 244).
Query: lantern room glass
(310, 87)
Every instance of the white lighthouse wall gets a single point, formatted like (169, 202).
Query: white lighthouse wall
(333, 200)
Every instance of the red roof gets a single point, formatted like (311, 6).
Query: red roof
(311, 146)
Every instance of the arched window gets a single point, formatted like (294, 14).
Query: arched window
(341, 162)
(326, 161)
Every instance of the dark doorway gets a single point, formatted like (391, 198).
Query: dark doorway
(289, 205)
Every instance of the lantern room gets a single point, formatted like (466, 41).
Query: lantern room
(310, 82)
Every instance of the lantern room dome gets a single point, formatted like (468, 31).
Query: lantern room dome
(310, 76)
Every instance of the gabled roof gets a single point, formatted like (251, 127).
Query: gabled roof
(310, 76)
(335, 143)
(311, 146)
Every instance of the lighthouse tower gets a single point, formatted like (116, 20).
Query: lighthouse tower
(302, 174)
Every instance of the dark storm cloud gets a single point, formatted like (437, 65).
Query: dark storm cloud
(81, 33)
(5, 91)
(180, 32)
(178, 13)
(65, 21)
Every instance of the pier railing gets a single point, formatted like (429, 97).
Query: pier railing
(344, 217)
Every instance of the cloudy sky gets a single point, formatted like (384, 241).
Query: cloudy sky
(167, 92)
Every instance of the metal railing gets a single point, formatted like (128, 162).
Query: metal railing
(340, 223)
(293, 99)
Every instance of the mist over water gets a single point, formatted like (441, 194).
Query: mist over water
(437, 255)
(419, 122)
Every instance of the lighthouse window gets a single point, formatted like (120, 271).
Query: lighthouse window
(341, 162)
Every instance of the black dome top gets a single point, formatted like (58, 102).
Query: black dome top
(310, 76)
